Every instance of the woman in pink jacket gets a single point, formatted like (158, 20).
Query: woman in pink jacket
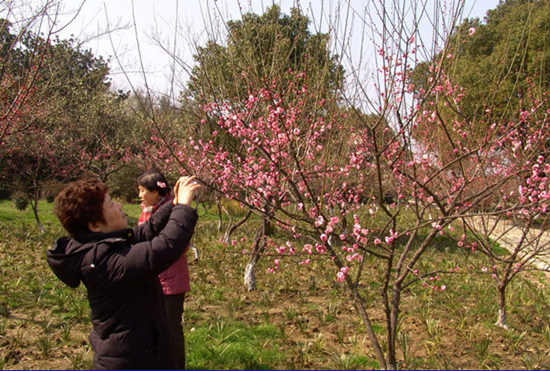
(154, 191)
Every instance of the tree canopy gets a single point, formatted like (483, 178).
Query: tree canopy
(497, 60)
(260, 48)
(501, 65)
(59, 117)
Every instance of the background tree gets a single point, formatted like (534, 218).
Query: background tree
(76, 124)
(502, 66)
(260, 48)
(498, 61)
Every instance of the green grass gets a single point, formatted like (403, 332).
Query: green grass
(232, 345)
(356, 362)
(132, 211)
(9, 214)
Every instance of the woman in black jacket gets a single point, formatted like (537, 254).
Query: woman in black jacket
(119, 267)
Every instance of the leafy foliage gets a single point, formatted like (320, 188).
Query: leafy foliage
(260, 48)
(498, 60)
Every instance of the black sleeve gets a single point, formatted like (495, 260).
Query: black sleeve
(152, 227)
(155, 255)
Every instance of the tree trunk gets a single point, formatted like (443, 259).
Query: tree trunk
(250, 276)
(34, 206)
(396, 299)
(259, 247)
(219, 206)
(501, 320)
(232, 227)
(360, 306)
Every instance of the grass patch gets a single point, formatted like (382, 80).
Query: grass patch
(10, 215)
(133, 211)
(356, 362)
(233, 345)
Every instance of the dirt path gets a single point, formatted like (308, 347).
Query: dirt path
(509, 236)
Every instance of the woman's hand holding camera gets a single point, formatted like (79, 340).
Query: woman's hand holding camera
(185, 190)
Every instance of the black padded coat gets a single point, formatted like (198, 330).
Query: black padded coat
(119, 270)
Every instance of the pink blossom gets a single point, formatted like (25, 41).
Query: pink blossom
(341, 275)
(353, 257)
(471, 31)
(319, 221)
(320, 248)
(389, 239)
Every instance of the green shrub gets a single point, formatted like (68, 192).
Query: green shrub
(122, 184)
(20, 200)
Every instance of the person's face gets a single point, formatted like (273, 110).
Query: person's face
(115, 218)
(147, 197)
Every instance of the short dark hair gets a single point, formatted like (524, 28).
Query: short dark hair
(153, 180)
(80, 203)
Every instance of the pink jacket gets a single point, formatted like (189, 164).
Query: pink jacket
(175, 279)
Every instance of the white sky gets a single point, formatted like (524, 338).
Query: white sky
(157, 19)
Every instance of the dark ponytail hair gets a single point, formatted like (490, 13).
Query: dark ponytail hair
(153, 180)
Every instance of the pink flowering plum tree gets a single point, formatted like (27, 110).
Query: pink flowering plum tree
(504, 100)
(364, 182)
(507, 198)
(517, 216)
(317, 177)
(22, 56)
